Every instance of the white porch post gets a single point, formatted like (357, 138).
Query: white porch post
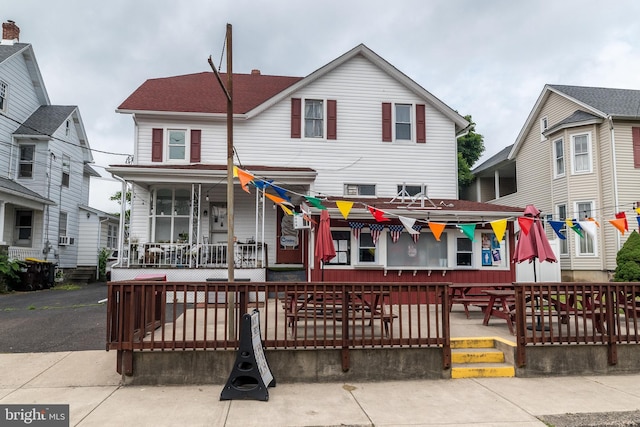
(496, 183)
(2, 212)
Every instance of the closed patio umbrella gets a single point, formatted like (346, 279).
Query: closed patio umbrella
(324, 251)
(534, 245)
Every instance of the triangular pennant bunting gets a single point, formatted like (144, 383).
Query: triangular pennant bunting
(344, 207)
(315, 202)
(416, 235)
(622, 215)
(378, 214)
(375, 230)
(468, 230)
(408, 224)
(557, 227)
(436, 228)
(395, 231)
(589, 226)
(356, 227)
(499, 227)
(525, 224)
(619, 224)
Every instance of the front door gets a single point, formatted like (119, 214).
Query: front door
(291, 242)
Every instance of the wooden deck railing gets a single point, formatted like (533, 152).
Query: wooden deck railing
(577, 313)
(179, 316)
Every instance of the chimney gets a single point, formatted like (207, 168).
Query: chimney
(10, 32)
(255, 72)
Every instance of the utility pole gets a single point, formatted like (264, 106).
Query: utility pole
(228, 90)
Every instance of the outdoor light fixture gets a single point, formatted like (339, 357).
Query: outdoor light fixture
(205, 213)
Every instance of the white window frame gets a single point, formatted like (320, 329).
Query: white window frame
(458, 251)
(22, 161)
(169, 145)
(66, 171)
(4, 91)
(177, 215)
(582, 242)
(357, 190)
(375, 248)
(63, 224)
(588, 153)
(26, 214)
(561, 214)
(544, 125)
(308, 131)
(112, 236)
(67, 129)
(397, 122)
(557, 173)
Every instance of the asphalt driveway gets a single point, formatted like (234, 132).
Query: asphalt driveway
(64, 318)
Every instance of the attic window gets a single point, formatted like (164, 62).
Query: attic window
(68, 128)
(544, 125)
(66, 170)
(359, 190)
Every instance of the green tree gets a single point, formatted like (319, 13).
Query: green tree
(628, 260)
(117, 196)
(470, 148)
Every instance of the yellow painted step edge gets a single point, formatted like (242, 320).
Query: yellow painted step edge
(493, 372)
(472, 342)
(477, 357)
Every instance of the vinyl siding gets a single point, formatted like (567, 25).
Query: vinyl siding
(628, 176)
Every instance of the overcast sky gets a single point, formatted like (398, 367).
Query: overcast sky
(489, 59)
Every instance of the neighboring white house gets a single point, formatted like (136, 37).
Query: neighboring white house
(44, 164)
(355, 129)
(577, 157)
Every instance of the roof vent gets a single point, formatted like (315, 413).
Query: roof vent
(255, 72)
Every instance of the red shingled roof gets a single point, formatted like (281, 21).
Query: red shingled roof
(201, 93)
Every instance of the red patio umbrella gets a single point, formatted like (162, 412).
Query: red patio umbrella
(534, 245)
(325, 251)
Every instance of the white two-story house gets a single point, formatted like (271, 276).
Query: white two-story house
(577, 158)
(356, 132)
(45, 167)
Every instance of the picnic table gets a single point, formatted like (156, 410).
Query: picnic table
(472, 294)
(502, 305)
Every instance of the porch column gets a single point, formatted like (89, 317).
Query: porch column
(2, 212)
(496, 184)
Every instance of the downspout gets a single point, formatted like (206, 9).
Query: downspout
(615, 174)
(123, 208)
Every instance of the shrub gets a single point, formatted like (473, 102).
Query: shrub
(9, 270)
(103, 256)
(628, 260)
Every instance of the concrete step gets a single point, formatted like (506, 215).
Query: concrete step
(478, 358)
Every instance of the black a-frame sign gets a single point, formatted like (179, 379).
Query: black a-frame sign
(250, 375)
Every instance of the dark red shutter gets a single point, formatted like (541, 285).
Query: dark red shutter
(332, 119)
(421, 131)
(195, 145)
(386, 121)
(635, 134)
(296, 117)
(156, 145)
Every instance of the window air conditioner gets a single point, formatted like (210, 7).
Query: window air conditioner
(300, 223)
(65, 240)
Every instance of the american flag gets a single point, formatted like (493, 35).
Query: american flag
(416, 236)
(355, 228)
(375, 230)
(395, 231)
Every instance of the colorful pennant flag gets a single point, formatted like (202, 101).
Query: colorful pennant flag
(375, 230)
(344, 207)
(245, 178)
(281, 192)
(356, 227)
(589, 226)
(378, 214)
(638, 219)
(286, 209)
(395, 231)
(468, 230)
(315, 202)
(408, 224)
(638, 210)
(576, 227)
(499, 227)
(525, 223)
(436, 228)
(622, 215)
(619, 224)
(557, 227)
(275, 199)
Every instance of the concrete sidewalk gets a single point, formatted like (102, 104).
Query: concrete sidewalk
(87, 381)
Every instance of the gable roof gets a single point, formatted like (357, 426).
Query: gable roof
(600, 102)
(253, 93)
(11, 187)
(45, 120)
(201, 93)
(8, 51)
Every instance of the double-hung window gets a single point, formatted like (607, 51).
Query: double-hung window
(112, 238)
(170, 216)
(561, 213)
(581, 153)
(342, 244)
(464, 252)
(62, 224)
(586, 243)
(66, 170)
(403, 122)
(544, 125)
(313, 118)
(558, 154)
(4, 88)
(24, 227)
(366, 248)
(27, 160)
(177, 144)
(359, 189)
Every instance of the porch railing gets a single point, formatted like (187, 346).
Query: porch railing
(212, 255)
(19, 253)
(577, 313)
(179, 316)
